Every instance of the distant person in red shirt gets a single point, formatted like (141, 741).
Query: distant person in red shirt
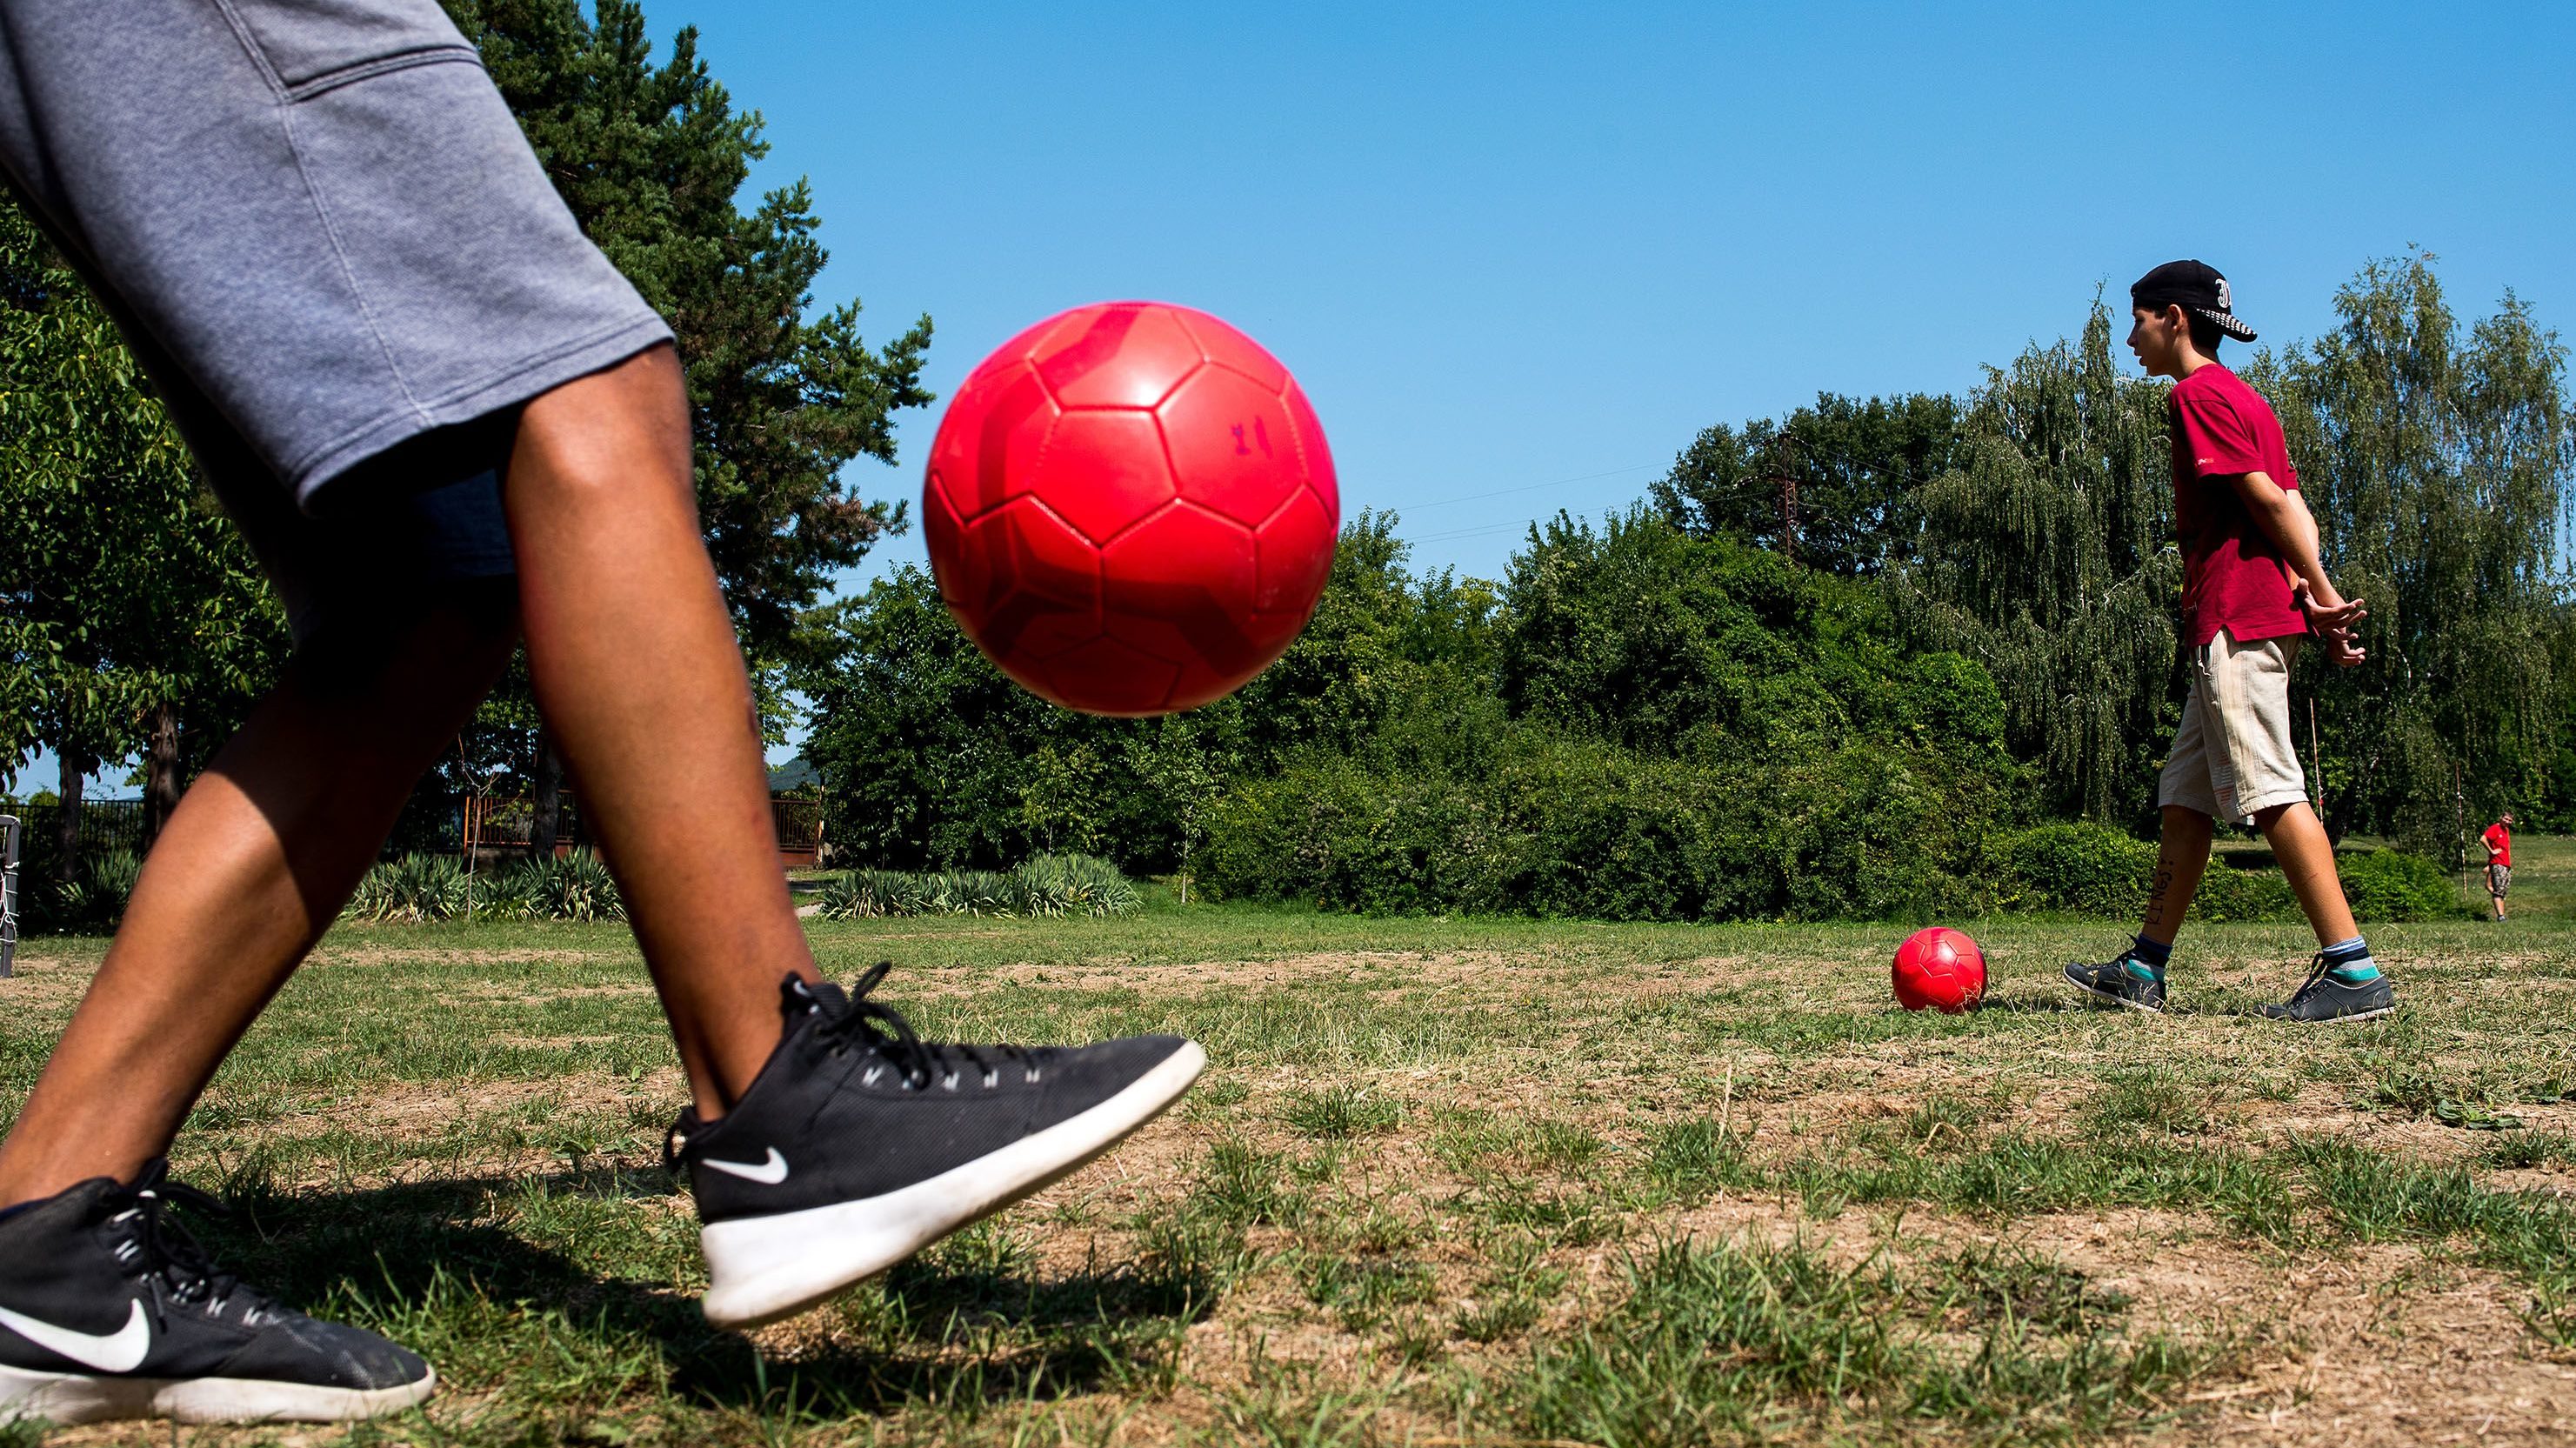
(2252, 587)
(2499, 838)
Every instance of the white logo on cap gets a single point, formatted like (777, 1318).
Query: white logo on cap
(2224, 305)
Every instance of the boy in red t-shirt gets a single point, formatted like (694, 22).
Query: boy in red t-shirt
(2252, 586)
(2499, 841)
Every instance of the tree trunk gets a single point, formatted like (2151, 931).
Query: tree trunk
(160, 772)
(548, 819)
(67, 820)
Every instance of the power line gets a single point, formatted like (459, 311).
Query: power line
(1478, 532)
(1523, 488)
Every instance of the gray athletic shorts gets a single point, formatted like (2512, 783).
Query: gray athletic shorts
(330, 245)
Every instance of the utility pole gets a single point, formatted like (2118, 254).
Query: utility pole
(2316, 762)
(2460, 812)
(1784, 476)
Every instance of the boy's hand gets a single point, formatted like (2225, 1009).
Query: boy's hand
(2332, 623)
(2328, 618)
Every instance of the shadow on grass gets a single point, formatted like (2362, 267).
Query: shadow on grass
(963, 1327)
(2034, 1003)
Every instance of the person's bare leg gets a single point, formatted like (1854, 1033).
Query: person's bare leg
(2181, 856)
(251, 869)
(636, 669)
(2299, 842)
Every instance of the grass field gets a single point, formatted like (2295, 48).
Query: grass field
(1455, 1182)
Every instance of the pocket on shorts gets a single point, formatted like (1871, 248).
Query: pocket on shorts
(313, 46)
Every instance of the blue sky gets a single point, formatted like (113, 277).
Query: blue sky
(1510, 245)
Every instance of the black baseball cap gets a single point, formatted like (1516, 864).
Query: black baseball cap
(2194, 286)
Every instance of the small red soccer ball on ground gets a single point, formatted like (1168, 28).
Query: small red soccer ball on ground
(1941, 968)
(1130, 508)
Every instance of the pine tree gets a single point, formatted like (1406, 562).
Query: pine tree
(651, 159)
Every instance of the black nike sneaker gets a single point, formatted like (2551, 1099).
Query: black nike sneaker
(2120, 982)
(108, 1309)
(2322, 998)
(859, 1143)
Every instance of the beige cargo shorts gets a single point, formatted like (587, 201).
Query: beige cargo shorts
(2234, 757)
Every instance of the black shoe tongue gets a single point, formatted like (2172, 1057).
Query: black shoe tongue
(798, 996)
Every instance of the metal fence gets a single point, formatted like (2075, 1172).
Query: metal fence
(8, 892)
(106, 826)
(430, 824)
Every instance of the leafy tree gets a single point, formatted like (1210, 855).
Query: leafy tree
(2438, 465)
(2047, 557)
(1384, 644)
(651, 159)
(135, 615)
(931, 755)
(1843, 470)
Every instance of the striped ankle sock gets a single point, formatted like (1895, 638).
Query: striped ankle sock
(2349, 961)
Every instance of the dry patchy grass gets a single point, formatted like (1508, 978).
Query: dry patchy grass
(1464, 1182)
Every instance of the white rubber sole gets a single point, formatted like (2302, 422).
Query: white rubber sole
(69, 1398)
(761, 1269)
(2109, 999)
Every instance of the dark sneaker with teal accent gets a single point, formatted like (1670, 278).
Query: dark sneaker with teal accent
(2326, 995)
(2125, 981)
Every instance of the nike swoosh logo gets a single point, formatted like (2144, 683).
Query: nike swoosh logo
(120, 1351)
(768, 1173)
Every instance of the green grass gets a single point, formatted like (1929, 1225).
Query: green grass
(1477, 1181)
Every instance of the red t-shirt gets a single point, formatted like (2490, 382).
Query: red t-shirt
(2233, 576)
(2500, 840)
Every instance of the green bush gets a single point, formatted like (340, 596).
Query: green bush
(2084, 868)
(2088, 869)
(2393, 885)
(1560, 827)
(2227, 894)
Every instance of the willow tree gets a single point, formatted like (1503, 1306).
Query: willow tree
(2046, 556)
(2438, 465)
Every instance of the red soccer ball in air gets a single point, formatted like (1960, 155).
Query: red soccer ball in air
(1130, 508)
(1940, 968)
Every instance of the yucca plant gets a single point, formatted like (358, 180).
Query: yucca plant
(511, 894)
(870, 895)
(92, 900)
(1086, 884)
(1058, 885)
(576, 886)
(1043, 887)
(966, 892)
(415, 887)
